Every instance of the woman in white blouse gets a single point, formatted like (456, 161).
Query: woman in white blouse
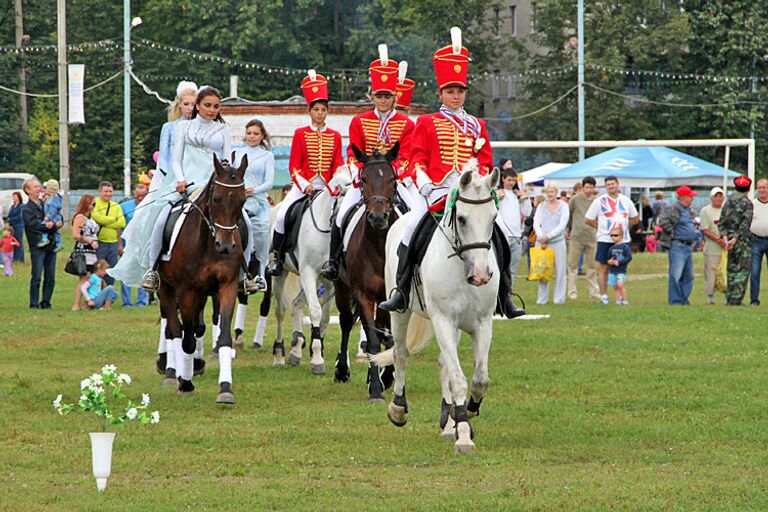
(549, 222)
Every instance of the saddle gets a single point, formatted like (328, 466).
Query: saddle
(180, 210)
(293, 222)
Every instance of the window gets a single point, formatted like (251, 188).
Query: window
(513, 20)
(511, 87)
(497, 21)
(495, 84)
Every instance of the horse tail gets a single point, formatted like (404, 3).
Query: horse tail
(420, 332)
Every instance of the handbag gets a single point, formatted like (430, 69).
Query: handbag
(76, 264)
(542, 264)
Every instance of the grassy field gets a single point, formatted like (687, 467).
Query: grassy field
(645, 407)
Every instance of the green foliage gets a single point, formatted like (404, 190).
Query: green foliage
(42, 156)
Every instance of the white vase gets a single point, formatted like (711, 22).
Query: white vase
(101, 449)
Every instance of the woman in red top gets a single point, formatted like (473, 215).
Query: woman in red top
(442, 143)
(315, 156)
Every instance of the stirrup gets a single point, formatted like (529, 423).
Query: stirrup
(150, 281)
(249, 286)
(396, 303)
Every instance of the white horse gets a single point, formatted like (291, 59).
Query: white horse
(312, 251)
(459, 280)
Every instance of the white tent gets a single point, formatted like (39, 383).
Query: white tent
(539, 173)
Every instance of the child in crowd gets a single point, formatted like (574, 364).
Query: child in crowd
(620, 254)
(8, 242)
(96, 294)
(52, 206)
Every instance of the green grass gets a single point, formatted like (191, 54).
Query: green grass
(646, 407)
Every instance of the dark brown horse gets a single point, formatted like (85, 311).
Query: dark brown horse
(360, 286)
(206, 261)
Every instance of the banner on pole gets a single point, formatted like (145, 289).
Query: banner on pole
(76, 79)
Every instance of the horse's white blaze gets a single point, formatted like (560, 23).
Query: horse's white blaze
(225, 364)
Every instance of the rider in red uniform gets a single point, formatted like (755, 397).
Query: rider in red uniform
(376, 130)
(442, 143)
(315, 157)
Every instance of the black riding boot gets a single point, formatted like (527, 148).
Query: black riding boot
(399, 300)
(505, 305)
(278, 250)
(331, 271)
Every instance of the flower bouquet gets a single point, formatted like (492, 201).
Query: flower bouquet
(102, 393)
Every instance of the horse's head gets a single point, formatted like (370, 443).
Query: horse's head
(472, 218)
(378, 185)
(226, 196)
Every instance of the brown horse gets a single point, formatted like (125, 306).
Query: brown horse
(206, 261)
(360, 286)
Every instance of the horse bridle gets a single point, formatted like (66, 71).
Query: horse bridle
(456, 244)
(394, 200)
(212, 226)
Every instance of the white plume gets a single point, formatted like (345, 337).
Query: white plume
(402, 69)
(456, 40)
(383, 54)
(312, 74)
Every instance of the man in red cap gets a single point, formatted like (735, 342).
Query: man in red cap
(315, 157)
(442, 143)
(377, 130)
(735, 221)
(679, 235)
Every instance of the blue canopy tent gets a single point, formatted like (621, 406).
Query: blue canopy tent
(644, 167)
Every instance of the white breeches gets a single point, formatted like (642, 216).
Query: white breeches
(351, 198)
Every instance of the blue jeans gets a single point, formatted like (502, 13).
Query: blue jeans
(18, 252)
(107, 293)
(680, 273)
(108, 252)
(42, 262)
(759, 249)
(142, 297)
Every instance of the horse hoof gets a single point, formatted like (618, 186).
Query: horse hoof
(199, 367)
(341, 375)
(278, 361)
(256, 346)
(168, 382)
(170, 377)
(214, 356)
(239, 342)
(449, 432)
(397, 415)
(376, 400)
(225, 398)
(162, 360)
(317, 369)
(185, 387)
(464, 442)
(293, 360)
(361, 358)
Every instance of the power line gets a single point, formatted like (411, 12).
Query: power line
(671, 104)
(37, 95)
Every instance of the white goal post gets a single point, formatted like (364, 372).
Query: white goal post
(727, 143)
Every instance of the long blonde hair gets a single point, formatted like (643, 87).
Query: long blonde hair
(174, 110)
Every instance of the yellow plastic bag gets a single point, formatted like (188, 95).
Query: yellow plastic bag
(721, 273)
(542, 264)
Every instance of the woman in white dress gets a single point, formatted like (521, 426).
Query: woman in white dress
(549, 222)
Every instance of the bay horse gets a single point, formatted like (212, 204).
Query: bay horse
(206, 261)
(459, 278)
(361, 286)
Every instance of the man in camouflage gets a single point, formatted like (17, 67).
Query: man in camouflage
(735, 221)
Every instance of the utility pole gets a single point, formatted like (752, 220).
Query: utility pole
(580, 64)
(61, 10)
(20, 40)
(127, 97)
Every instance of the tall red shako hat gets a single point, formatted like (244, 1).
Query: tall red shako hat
(383, 72)
(404, 89)
(452, 62)
(314, 87)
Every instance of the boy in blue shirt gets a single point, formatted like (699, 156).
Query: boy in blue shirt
(52, 208)
(619, 256)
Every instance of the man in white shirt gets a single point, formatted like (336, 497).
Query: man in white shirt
(512, 213)
(759, 230)
(607, 211)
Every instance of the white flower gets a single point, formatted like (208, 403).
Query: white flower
(97, 389)
(85, 383)
(83, 398)
(96, 378)
(144, 399)
(132, 413)
(109, 368)
(155, 417)
(123, 378)
(57, 403)
(479, 143)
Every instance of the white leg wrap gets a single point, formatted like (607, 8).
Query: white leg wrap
(200, 351)
(172, 351)
(162, 346)
(240, 316)
(225, 365)
(186, 370)
(363, 336)
(261, 328)
(215, 331)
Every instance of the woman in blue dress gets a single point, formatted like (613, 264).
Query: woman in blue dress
(194, 144)
(180, 110)
(259, 178)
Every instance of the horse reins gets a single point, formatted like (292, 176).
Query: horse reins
(312, 212)
(458, 247)
(211, 224)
